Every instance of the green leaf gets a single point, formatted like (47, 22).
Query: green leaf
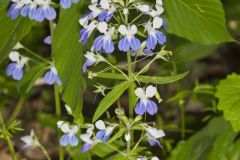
(210, 143)
(110, 98)
(68, 56)
(228, 93)
(31, 76)
(12, 31)
(111, 76)
(200, 21)
(162, 80)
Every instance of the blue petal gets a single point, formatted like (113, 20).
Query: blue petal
(64, 140)
(151, 41)
(135, 43)
(98, 43)
(39, 15)
(151, 107)
(109, 16)
(123, 44)
(164, 24)
(73, 140)
(75, 1)
(149, 52)
(140, 108)
(50, 77)
(32, 13)
(103, 15)
(25, 10)
(108, 46)
(106, 137)
(100, 134)
(88, 63)
(17, 73)
(153, 142)
(58, 81)
(49, 13)
(86, 147)
(65, 3)
(161, 37)
(10, 69)
(84, 34)
(48, 40)
(14, 11)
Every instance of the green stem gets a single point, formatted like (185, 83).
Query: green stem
(17, 109)
(7, 138)
(44, 152)
(183, 127)
(131, 88)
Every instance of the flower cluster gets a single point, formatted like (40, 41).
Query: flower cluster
(112, 27)
(37, 10)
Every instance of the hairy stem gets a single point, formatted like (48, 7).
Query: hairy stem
(131, 88)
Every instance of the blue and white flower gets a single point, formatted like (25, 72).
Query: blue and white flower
(108, 10)
(129, 41)
(159, 9)
(91, 60)
(30, 140)
(86, 32)
(15, 8)
(105, 132)
(145, 104)
(67, 3)
(52, 77)
(95, 11)
(69, 137)
(154, 36)
(88, 139)
(153, 135)
(15, 69)
(104, 42)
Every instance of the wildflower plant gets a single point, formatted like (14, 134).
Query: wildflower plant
(133, 30)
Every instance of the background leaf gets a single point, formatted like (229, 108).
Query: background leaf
(211, 143)
(110, 98)
(12, 31)
(201, 21)
(68, 56)
(228, 92)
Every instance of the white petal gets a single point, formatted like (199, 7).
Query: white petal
(69, 110)
(133, 29)
(74, 129)
(160, 9)
(90, 56)
(154, 158)
(100, 125)
(14, 56)
(144, 8)
(60, 123)
(65, 128)
(159, 2)
(86, 138)
(18, 46)
(27, 140)
(123, 29)
(23, 61)
(155, 133)
(102, 27)
(140, 93)
(104, 4)
(127, 137)
(157, 22)
(83, 21)
(151, 91)
(94, 1)
(90, 129)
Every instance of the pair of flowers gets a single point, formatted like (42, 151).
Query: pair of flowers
(70, 137)
(16, 67)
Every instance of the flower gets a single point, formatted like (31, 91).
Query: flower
(153, 135)
(108, 10)
(91, 59)
(129, 41)
(86, 32)
(15, 8)
(30, 140)
(48, 40)
(87, 139)
(67, 3)
(15, 69)
(70, 134)
(145, 104)
(51, 77)
(145, 158)
(154, 36)
(105, 132)
(104, 42)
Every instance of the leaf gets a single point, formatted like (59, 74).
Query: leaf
(117, 135)
(111, 76)
(200, 21)
(110, 98)
(31, 76)
(210, 143)
(12, 31)
(228, 93)
(68, 56)
(162, 80)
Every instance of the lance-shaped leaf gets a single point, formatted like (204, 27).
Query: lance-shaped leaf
(68, 56)
(201, 21)
(110, 98)
(12, 31)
